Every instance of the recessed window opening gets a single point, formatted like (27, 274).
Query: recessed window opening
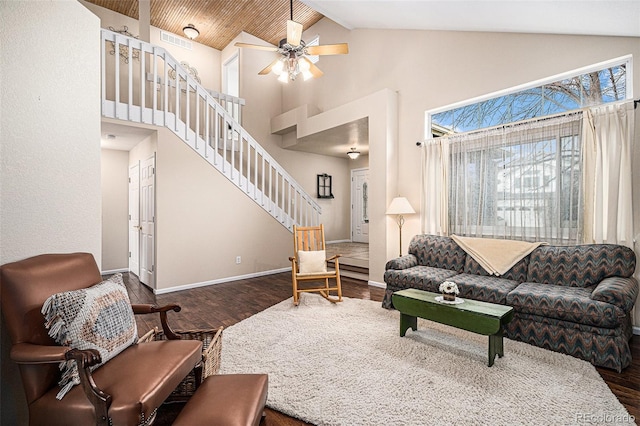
(231, 76)
(597, 84)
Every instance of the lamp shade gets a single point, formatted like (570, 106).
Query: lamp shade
(400, 205)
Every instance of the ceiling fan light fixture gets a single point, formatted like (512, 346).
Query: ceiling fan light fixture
(190, 31)
(304, 65)
(278, 68)
(294, 53)
(353, 154)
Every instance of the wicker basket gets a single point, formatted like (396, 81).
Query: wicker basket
(211, 349)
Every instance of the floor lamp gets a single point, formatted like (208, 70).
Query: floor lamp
(400, 206)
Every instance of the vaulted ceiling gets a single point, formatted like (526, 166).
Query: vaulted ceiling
(220, 21)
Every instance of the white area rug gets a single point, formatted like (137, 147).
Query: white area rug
(346, 364)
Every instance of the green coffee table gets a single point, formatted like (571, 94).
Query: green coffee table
(483, 318)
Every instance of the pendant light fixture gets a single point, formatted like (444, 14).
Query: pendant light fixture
(190, 31)
(353, 154)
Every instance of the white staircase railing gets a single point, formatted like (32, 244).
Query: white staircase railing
(143, 83)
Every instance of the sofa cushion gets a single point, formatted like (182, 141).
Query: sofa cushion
(438, 252)
(484, 288)
(564, 303)
(518, 272)
(580, 266)
(420, 277)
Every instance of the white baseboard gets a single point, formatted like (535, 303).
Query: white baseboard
(220, 281)
(114, 271)
(636, 331)
(337, 241)
(377, 284)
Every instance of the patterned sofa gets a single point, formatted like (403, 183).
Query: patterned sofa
(571, 299)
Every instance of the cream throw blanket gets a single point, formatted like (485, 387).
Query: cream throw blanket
(495, 256)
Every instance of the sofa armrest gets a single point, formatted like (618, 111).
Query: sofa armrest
(162, 310)
(618, 291)
(404, 262)
(28, 353)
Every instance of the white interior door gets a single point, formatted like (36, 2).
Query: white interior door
(134, 219)
(147, 221)
(360, 205)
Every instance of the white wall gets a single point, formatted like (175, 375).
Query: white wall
(115, 209)
(50, 144)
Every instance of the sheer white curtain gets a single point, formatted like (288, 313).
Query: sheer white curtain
(435, 173)
(520, 182)
(608, 136)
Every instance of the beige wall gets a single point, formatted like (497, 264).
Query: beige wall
(362, 162)
(204, 222)
(50, 145)
(263, 96)
(115, 209)
(430, 69)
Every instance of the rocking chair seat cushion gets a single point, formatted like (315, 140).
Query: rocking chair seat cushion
(139, 379)
(312, 262)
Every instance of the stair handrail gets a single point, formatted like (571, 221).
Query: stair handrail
(217, 138)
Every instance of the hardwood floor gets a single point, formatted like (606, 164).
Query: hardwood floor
(228, 303)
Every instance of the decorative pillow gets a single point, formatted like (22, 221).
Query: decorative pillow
(99, 317)
(312, 262)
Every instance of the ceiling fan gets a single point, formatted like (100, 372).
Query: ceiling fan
(293, 51)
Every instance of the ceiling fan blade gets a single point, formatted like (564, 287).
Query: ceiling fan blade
(328, 49)
(257, 46)
(294, 33)
(313, 69)
(267, 69)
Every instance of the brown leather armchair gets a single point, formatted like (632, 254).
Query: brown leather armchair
(127, 390)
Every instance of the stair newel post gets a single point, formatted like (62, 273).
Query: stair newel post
(103, 76)
(187, 106)
(154, 84)
(177, 97)
(207, 130)
(165, 100)
(130, 80)
(143, 82)
(116, 76)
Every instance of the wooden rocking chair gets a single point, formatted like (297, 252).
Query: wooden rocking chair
(309, 263)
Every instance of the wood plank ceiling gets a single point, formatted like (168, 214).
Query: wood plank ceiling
(220, 21)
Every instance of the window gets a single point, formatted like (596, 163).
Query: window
(518, 182)
(513, 159)
(598, 84)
